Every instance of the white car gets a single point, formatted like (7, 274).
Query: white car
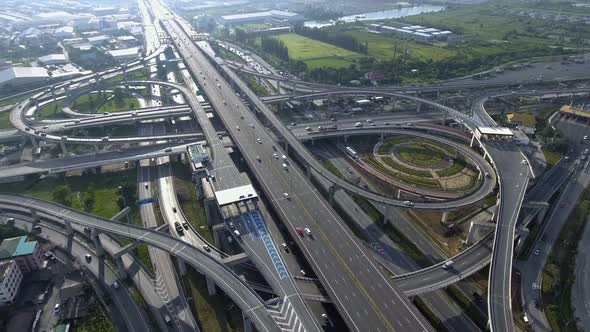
(237, 233)
(286, 195)
(307, 231)
(259, 141)
(276, 156)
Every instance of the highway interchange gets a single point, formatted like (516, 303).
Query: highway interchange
(363, 294)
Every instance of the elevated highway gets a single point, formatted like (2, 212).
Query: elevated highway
(236, 288)
(367, 307)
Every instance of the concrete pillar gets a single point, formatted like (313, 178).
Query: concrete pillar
(331, 191)
(181, 266)
(248, 326)
(312, 142)
(211, 289)
(444, 118)
(541, 214)
(418, 107)
(96, 149)
(399, 193)
(382, 136)
(34, 142)
(121, 268)
(444, 216)
(34, 215)
(69, 229)
(97, 244)
(286, 148)
(64, 149)
(308, 171)
(472, 140)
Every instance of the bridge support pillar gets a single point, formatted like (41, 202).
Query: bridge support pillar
(346, 139)
(444, 118)
(418, 107)
(181, 267)
(382, 136)
(69, 229)
(34, 215)
(218, 230)
(248, 326)
(121, 268)
(331, 192)
(64, 149)
(96, 149)
(541, 214)
(472, 140)
(444, 216)
(308, 171)
(211, 289)
(34, 142)
(97, 244)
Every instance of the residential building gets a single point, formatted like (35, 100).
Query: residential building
(270, 15)
(64, 32)
(10, 281)
(28, 255)
(19, 76)
(125, 54)
(53, 59)
(522, 119)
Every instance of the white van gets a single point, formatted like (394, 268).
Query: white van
(358, 124)
(447, 265)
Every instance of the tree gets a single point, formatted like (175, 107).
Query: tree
(62, 195)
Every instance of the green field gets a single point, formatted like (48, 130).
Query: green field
(317, 54)
(5, 120)
(421, 154)
(192, 208)
(125, 104)
(383, 47)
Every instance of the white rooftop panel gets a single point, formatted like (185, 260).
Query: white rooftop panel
(495, 131)
(236, 194)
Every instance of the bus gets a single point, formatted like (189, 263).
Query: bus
(350, 151)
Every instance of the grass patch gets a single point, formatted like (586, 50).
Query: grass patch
(384, 47)
(215, 313)
(457, 167)
(317, 54)
(51, 110)
(192, 208)
(90, 103)
(421, 154)
(552, 157)
(407, 178)
(430, 316)
(390, 162)
(258, 89)
(559, 272)
(96, 321)
(122, 105)
(5, 120)
(468, 306)
(332, 168)
(368, 208)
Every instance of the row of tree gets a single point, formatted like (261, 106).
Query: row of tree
(275, 47)
(339, 39)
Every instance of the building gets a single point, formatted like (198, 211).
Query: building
(10, 280)
(19, 76)
(415, 32)
(493, 134)
(125, 54)
(575, 112)
(522, 119)
(64, 32)
(28, 255)
(520, 138)
(53, 59)
(98, 40)
(259, 17)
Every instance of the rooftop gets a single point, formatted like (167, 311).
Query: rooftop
(124, 52)
(578, 111)
(236, 194)
(503, 131)
(268, 13)
(16, 246)
(53, 57)
(524, 119)
(18, 72)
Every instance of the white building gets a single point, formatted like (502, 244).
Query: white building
(125, 54)
(10, 280)
(53, 59)
(64, 32)
(18, 76)
(98, 40)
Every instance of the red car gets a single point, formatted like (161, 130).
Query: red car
(299, 231)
